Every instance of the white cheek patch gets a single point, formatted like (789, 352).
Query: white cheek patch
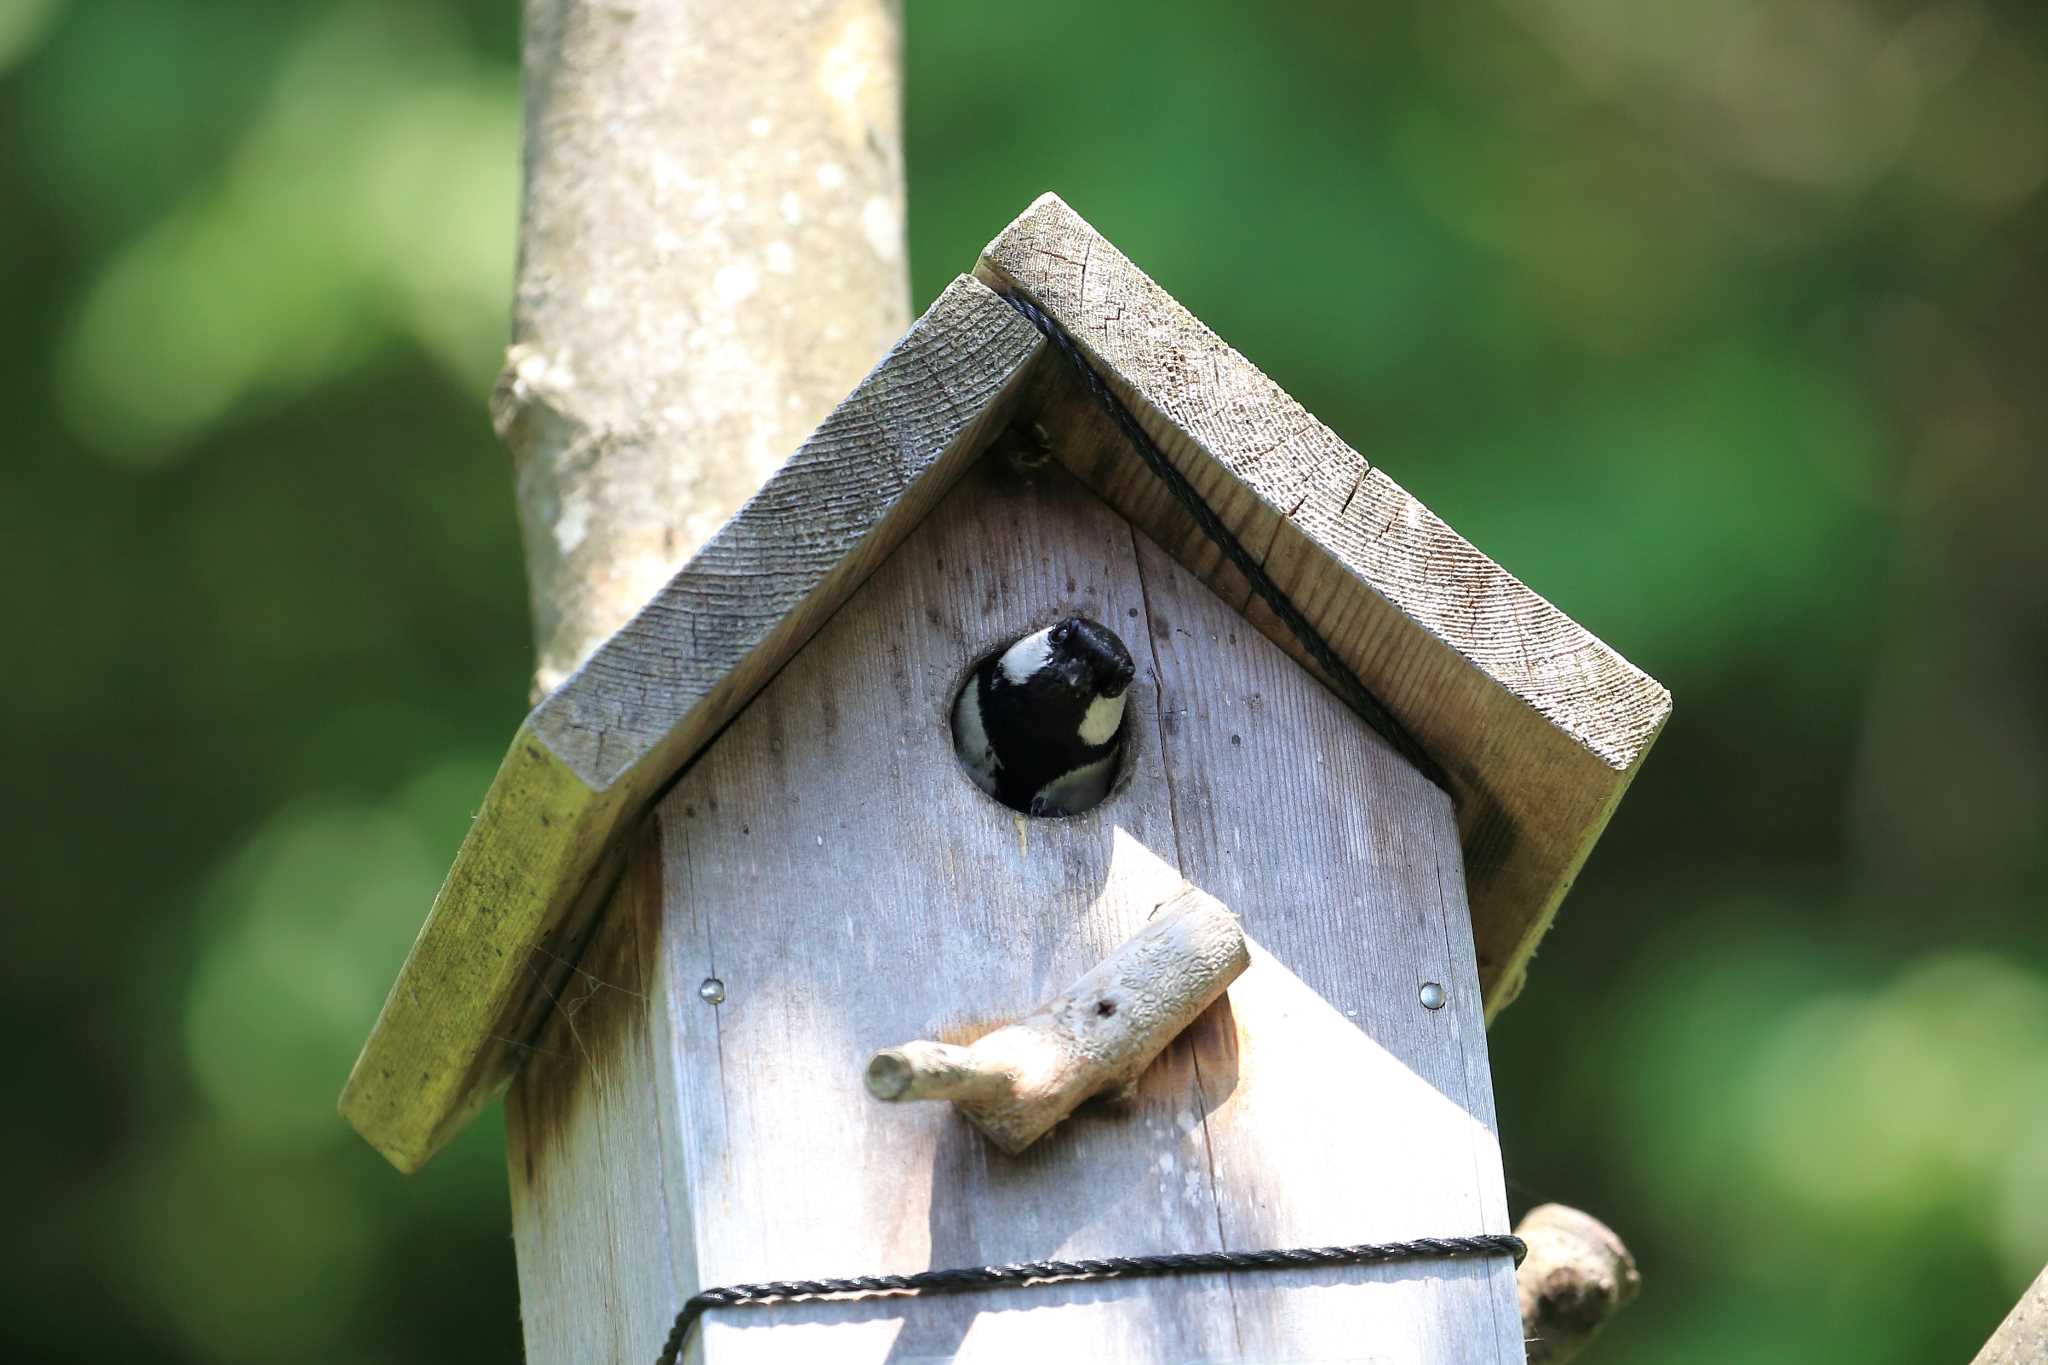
(1099, 725)
(970, 738)
(1026, 657)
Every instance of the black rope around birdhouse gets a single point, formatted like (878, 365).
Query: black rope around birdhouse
(1058, 1272)
(1342, 676)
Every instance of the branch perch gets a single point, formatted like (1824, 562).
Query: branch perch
(1576, 1276)
(1095, 1038)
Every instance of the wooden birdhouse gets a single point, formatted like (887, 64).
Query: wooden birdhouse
(735, 857)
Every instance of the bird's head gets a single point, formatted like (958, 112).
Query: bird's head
(1091, 656)
(1078, 666)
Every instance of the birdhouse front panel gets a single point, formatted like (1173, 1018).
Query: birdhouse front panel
(828, 879)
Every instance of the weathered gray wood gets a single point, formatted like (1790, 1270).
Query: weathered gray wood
(1577, 1275)
(1092, 1039)
(1355, 1114)
(1539, 725)
(917, 887)
(2022, 1339)
(596, 749)
(590, 1139)
(830, 865)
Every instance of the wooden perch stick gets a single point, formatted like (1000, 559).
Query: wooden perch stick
(1576, 1276)
(1019, 1081)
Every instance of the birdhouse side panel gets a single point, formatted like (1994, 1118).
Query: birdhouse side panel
(600, 1211)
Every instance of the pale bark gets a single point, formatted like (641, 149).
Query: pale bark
(711, 255)
(1094, 1039)
(1576, 1276)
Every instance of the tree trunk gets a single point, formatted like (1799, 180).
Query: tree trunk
(711, 255)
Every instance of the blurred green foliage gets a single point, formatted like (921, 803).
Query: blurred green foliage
(1718, 321)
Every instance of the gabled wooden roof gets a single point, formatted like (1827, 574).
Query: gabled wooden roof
(1538, 726)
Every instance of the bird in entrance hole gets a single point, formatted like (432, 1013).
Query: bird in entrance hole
(1039, 726)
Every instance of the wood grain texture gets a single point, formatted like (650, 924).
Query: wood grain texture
(1540, 725)
(601, 745)
(1355, 1113)
(2022, 1339)
(910, 904)
(591, 1144)
(828, 862)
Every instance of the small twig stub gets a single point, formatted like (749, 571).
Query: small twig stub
(1576, 1276)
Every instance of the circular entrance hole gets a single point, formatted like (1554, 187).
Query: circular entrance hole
(1040, 724)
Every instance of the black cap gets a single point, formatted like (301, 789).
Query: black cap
(1097, 647)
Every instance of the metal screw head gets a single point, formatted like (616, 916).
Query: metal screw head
(1431, 995)
(712, 992)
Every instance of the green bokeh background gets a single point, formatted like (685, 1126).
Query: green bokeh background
(1720, 322)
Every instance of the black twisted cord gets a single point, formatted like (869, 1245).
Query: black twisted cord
(1341, 675)
(1108, 1268)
